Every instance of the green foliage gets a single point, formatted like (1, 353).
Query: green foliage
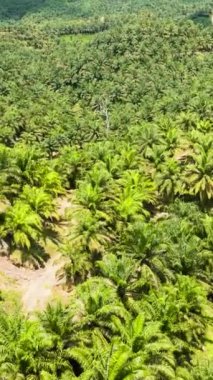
(109, 102)
(22, 225)
(51, 8)
(25, 349)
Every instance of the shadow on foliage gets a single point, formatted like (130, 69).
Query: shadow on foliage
(202, 17)
(15, 9)
(35, 257)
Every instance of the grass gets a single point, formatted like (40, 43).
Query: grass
(84, 38)
(209, 342)
(11, 300)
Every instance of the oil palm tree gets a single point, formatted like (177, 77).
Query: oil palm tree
(180, 310)
(9, 176)
(135, 192)
(171, 139)
(26, 160)
(208, 227)
(99, 176)
(133, 179)
(69, 165)
(146, 340)
(56, 320)
(79, 266)
(90, 196)
(116, 360)
(50, 180)
(103, 360)
(143, 241)
(90, 233)
(198, 175)
(113, 164)
(22, 225)
(93, 306)
(203, 370)
(148, 135)
(26, 349)
(167, 178)
(59, 322)
(124, 274)
(40, 201)
(128, 205)
(129, 157)
(157, 155)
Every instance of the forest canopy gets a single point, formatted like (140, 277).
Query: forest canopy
(90, 8)
(107, 107)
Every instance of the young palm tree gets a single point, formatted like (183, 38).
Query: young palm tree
(26, 160)
(144, 242)
(26, 349)
(57, 320)
(69, 165)
(90, 196)
(124, 272)
(40, 201)
(146, 340)
(133, 179)
(148, 135)
(79, 267)
(180, 309)
(117, 361)
(94, 305)
(203, 370)
(90, 233)
(128, 205)
(113, 164)
(50, 180)
(168, 178)
(157, 155)
(198, 175)
(135, 191)
(129, 157)
(9, 176)
(99, 176)
(171, 139)
(103, 360)
(22, 225)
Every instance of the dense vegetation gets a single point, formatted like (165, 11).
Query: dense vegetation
(114, 111)
(16, 9)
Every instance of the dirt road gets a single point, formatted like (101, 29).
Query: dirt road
(36, 287)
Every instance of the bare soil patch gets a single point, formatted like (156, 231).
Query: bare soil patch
(37, 287)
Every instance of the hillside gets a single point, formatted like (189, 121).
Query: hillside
(106, 164)
(90, 8)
